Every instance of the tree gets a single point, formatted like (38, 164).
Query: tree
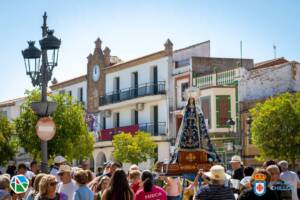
(71, 139)
(133, 149)
(276, 129)
(8, 145)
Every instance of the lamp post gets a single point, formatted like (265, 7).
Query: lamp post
(41, 73)
(249, 122)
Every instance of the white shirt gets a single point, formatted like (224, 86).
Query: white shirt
(54, 172)
(245, 180)
(68, 189)
(292, 179)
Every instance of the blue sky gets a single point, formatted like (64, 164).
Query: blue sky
(135, 28)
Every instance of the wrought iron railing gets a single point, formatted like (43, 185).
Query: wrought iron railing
(155, 129)
(141, 90)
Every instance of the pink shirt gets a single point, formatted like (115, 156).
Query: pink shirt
(156, 193)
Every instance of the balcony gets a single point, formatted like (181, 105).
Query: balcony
(155, 129)
(146, 89)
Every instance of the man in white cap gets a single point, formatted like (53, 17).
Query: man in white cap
(67, 185)
(216, 190)
(290, 178)
(236, 165)
(58, 160)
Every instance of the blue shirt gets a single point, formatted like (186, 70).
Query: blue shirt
(83, 193)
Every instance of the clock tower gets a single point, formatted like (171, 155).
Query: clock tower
(95, 76)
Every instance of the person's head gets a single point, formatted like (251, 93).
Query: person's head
(106, 167)
(22, 169)
(90, 175)
(147, 179)
(47, 185)
(59, 160)
(248, 171)
(217, 174)
(134, 167)
(37, 181)
(284, 165)
(4, 182)
(268, 163)
(191, 101)
(85, 165)
(100, 169)
(81, 177)
(236, 162)
(119, 185)
(134, 176)
(65, 173)
(103, 183)
(274, 172)
(34, 166)
(114, 166)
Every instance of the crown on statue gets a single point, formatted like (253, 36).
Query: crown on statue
(191, 92)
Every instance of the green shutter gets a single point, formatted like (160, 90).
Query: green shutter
(229, 106)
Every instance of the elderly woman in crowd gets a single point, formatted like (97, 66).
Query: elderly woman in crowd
(103, 185)
(47, 189)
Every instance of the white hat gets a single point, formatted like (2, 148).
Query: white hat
(59, 159)
(283, 164)
(64, 168)
(217, 172)
(236, 158)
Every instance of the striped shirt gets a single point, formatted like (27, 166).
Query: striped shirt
(215, 192)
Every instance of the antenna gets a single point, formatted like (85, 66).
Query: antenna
(274, 48)
(241, 51)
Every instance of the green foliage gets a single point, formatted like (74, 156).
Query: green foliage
(276, 129)
(72, 138)
(133, 149)
(8, 145)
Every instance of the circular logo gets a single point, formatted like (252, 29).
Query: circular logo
(19, 184)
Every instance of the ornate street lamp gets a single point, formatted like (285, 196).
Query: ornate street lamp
(230, 123)
(249, 122)
(41, 73)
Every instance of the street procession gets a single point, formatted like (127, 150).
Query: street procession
(150, 100)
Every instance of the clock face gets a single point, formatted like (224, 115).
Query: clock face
(96, 72)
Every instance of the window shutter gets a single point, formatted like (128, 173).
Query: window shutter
(218, 111)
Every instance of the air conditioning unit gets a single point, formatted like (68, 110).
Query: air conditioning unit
(139, 106)
(107, 113)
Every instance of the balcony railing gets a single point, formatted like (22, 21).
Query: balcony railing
(221, 78)
(142, 90)
(155, 129)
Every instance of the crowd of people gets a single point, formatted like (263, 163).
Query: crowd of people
(113, 183)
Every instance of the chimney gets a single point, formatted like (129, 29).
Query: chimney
(106, 56)
(168, 47)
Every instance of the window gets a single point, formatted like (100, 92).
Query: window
(70, 93)
(184, 86)
(155, 120)
(116, 84)
(80, 94)
(3, 113)
(103, 123)
(205, 106)
(116, 120)
(134, 117)
(223, 110)
(182, 63)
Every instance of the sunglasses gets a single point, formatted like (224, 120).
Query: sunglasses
(53, 184)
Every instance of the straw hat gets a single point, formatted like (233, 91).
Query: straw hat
(235, 159)
(64, 168)
(217, 172)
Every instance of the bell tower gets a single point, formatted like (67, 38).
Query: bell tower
(95, 77)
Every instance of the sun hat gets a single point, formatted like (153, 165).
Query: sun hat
(235, 159)
(59, 159)
(64, 168)
(283, 164)
(217, 172)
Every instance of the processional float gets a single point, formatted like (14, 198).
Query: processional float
(193, 148)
